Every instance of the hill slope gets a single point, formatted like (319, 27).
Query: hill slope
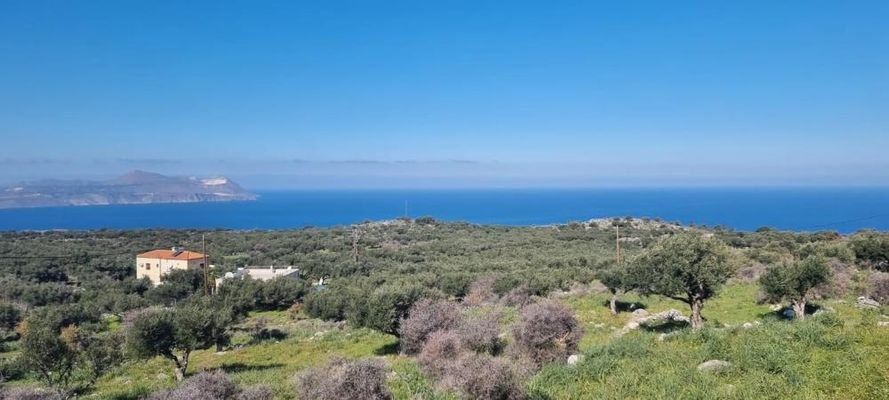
(135, 187)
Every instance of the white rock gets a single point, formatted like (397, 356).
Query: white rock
(714, 366)
(867, 303)
(574, 359)
(641, 313)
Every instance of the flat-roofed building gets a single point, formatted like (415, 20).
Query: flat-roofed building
(261, 273)
(157, 263)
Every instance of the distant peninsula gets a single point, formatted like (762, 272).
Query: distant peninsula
(134, 187)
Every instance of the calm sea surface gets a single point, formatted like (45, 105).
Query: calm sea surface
(842, 209)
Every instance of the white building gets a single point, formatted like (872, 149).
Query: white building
(261, 273)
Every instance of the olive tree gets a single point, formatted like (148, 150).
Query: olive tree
(792, 282)
(173, 334)
(68, 359)
(687, 267)
(617, 281)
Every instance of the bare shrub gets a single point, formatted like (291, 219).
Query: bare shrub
(256, 393)
(342, 379)
(481, 333)
(29, 393)
(546, 332)
(752, 271)
(440, 350)
(206, 385)
(481, 291)
(517, 297)
(841, 283)
(483, 377)
(878, 287)
(423, 318)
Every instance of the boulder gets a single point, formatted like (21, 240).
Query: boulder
(865, 302)
(714, 366)
(640, 313)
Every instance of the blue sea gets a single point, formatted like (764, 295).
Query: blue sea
(841, 209)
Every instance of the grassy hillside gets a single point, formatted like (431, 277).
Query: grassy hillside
(839, 354)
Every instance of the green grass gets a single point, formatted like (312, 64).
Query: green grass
(839, 355)
(832, 356)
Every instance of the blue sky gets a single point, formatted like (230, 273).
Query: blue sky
(448, 93)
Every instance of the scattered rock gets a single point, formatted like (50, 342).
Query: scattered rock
(714, 366)
(884, 324)
(865, 302)
(747, 325)
(640, 313)
(775, 307)
(661, 317)
(574, 359)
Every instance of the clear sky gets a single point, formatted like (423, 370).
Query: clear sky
(451, 93)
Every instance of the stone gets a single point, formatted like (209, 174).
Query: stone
(714, 366)
(775, 307)
(865, 302)
(747, 325)
(641, 313)
(884, 324)
(574, 359)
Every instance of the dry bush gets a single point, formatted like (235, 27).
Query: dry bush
(752, 271)
(211, 385)
(841, 283)
(546, 332)
(483, 377)
(481, 292)
(256, 393)
(29, 393)
(878, 287)
(206, 385)
(342, 379)
(481, 333)
(517, 297)
(440, 350)
(424, 317)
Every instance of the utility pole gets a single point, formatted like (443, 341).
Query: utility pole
(617, 241)
(206, 266)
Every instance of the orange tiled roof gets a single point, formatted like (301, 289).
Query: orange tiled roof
(168, 255)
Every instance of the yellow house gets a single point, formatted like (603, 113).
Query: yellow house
(157, 263)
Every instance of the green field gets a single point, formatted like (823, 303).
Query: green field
(838, 355)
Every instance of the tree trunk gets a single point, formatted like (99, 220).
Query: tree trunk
(180, 372)
(697, 321)
(799, 310)
(613, 304)
(181, 366)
